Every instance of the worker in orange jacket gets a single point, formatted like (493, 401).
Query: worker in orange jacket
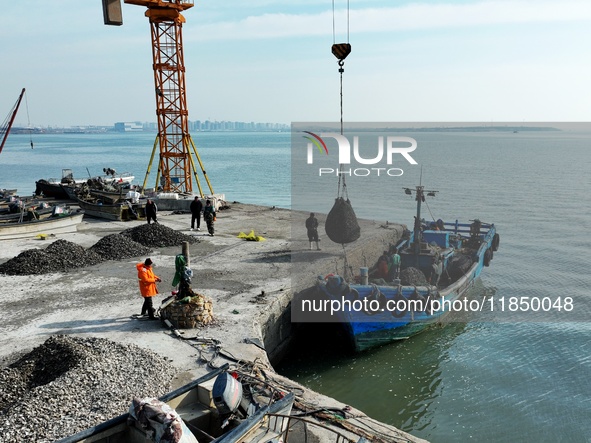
(147, 281)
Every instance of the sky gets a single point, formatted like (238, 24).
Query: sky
(271, 61)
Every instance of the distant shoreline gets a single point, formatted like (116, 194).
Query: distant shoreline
(109, 130)
(357, 127)
(352, 127)
(474, 129)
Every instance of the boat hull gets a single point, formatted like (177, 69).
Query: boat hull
(53, 190)
(397, 312)
(195, 407)
(29, 229)
(115, 212)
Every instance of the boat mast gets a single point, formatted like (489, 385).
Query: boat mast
(420, 197)
(418, 235)
(5, 129)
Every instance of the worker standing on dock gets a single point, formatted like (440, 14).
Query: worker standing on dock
(312, 227)
(196, 207)
(209, 216)
(151, 210)
(147, 281)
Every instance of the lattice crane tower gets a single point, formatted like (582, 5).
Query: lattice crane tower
(176, 163)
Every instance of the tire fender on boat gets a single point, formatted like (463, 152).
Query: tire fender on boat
(375, 294)
(395, 313)
(487, 257)
(353, 293)
(495, 242)
(421, 300)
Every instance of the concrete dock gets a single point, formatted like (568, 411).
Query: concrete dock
(249, 282)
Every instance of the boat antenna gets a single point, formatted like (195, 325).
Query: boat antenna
(420, 193)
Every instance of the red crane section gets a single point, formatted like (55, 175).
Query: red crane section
(5, 128)
(176, 165)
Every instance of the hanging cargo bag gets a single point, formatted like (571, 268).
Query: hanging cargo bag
(341, 223)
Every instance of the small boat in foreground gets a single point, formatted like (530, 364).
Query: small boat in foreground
(415, 283)
(59, 221)
(227, 409)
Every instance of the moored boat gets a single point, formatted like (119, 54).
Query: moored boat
(416, 282)
(58, 221)
(119, 211)
(6, 193)
(51, 188)
(217, 407)
(68, 186)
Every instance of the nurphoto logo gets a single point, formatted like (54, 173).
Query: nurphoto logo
(383, 152)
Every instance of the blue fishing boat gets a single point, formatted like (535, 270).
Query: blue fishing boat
(421, 278)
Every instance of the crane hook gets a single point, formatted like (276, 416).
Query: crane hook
(341, 50)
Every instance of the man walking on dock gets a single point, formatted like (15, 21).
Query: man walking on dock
(196, 207)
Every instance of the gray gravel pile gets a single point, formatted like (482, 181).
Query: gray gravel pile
(117, 247)
(412, 277)
(60, 256)
(69, 384)
(156, 235)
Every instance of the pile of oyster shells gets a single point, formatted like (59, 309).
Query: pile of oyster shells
(63, 255)
(69, 384)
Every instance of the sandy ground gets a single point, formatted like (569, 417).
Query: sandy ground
(99, 300)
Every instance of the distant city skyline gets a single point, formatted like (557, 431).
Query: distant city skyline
(136, 126)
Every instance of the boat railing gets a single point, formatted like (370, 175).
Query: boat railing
(297, 426)
(464, 228)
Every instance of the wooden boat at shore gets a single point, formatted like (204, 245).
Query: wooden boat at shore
(67, 187)
(438, 263)
(6, 193)
(218, 407)
(25, 214)
(120, 211)
(50, 223)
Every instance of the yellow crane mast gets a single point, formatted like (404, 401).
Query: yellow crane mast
(176, 163)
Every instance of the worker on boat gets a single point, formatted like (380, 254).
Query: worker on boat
(395, 267)
(384, 265)
(147, 281)
(436, 270)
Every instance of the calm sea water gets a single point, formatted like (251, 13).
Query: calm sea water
(499, 377)
(521, 376)
(249, 167)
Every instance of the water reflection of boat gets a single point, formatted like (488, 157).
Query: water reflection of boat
(416, 282)
(406, 377)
